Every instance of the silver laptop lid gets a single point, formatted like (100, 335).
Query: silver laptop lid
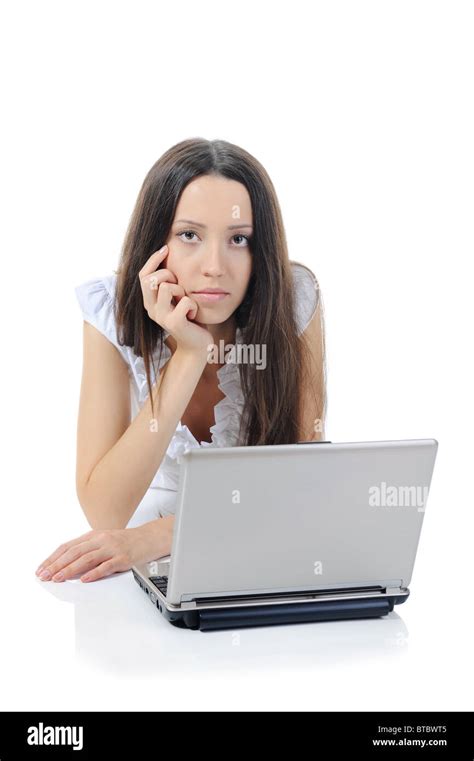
(294, 517)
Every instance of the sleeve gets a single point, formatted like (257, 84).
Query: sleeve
(96, 301)
(306, 293)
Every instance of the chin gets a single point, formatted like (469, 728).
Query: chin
(208, 320)
(212, 315)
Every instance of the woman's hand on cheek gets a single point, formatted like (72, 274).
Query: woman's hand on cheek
(94, 555)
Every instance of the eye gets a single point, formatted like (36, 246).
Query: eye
(186, 232)
(245, 238)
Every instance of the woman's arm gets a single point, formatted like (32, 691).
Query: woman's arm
(116, 459)
(100, 553)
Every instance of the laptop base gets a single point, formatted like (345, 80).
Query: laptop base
(268, 615)
(236, 617)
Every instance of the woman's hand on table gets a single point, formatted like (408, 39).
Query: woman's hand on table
(102, 552)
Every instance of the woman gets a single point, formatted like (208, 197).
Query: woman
(204, 266)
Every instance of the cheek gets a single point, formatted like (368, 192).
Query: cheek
(242, 264)
(245, 272)
(172, 262)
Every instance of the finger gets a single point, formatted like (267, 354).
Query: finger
(166, 293)
(153, 262)
(69, 556)
(105, 569)
(59, 551)
(154, 280)
(187, 308)
(85, 563)
(161, 297)
(151, 283)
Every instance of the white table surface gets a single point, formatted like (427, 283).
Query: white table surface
(103, 646)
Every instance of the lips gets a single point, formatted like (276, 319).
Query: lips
(211, 290)
(210, 296)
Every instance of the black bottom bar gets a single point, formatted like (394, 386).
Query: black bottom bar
(345, 735)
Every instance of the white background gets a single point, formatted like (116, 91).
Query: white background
(362, 113)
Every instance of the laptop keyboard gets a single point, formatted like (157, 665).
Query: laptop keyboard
(161, 582)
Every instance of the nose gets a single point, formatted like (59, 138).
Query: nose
(212, 263)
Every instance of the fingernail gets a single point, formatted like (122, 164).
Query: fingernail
(45, 575)
(162, 249)
(58, 576)
(38, 571)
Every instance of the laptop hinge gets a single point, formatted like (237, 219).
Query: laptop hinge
(188, 605)
(393, 590)
(239, 598)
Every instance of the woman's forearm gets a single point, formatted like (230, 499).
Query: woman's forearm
(121, 478)
(115, 550)
(154, 538)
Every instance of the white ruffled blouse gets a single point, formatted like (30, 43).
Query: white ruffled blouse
(96, 298)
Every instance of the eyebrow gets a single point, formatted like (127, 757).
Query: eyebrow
(198, 224)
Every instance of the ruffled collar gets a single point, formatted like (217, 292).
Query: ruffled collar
(227, 412)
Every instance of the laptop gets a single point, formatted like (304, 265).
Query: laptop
(292, 533)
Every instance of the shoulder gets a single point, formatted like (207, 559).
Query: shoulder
(96, 299)
(96, 294)
(306, 293)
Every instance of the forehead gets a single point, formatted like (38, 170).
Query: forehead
(215, 200)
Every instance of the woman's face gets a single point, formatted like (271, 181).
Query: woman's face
(209, 247)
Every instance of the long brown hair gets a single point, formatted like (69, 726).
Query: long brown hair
(266, 316)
